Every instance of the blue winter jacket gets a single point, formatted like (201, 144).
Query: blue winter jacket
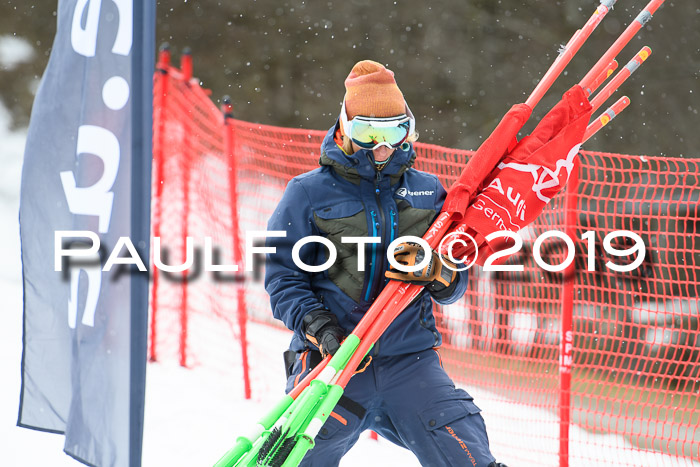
(347, 196)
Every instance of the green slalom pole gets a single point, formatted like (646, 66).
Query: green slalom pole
(294, 418)
(289, 416)
(318, 388)
(245, 443)
(313, 394)
(342, 356)
(251, 457)
(305, 440)
(304, 405)
(302, 411)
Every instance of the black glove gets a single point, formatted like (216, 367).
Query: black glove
(321, 328)
(436, 277)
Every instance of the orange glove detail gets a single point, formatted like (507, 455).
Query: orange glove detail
(436, 276)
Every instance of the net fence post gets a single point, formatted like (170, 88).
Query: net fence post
(567, 302)
(160, 99)
(242, 312)
(188, 154)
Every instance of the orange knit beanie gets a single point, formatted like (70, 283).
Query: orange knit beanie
(371, 91)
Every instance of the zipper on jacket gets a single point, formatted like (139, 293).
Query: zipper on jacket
(392, 216)
(378, 259)
(372, 269)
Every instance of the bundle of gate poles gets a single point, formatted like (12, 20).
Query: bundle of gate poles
(282, 437)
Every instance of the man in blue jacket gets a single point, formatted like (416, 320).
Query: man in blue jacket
(366, 187)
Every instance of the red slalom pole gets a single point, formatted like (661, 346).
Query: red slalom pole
(566, 345)
(232, 162)
(624, 39)
(363, 328)
(407, 292)
(160, 114)
(568, 52)
(620, 78)
(609, 70)
(299, 388)
(396, 295)
(605, 118)
(395, 304)
(376, 320)
(572, 39)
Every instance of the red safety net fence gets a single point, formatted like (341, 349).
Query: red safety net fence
(589, 365)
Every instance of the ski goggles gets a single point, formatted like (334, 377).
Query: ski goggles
(371, 133)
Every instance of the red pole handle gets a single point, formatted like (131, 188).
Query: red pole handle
(620, 78)
(620, 44)
(568, 52)
(603, 119)
(612, 66)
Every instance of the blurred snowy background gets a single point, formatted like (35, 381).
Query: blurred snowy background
(461, 64)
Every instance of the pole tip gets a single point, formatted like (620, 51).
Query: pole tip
(163, 57)
(186, 64)
(226, 106)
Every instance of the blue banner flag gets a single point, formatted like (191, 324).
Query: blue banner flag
(86, 180)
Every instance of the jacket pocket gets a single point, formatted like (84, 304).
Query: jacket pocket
(457, 430)
(303, 363)
(448, 410)
(290, 358)
(345, 219)
(413, 221)
(340, 210)
(341, 422)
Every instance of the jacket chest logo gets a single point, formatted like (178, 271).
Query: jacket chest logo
(402, 192)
